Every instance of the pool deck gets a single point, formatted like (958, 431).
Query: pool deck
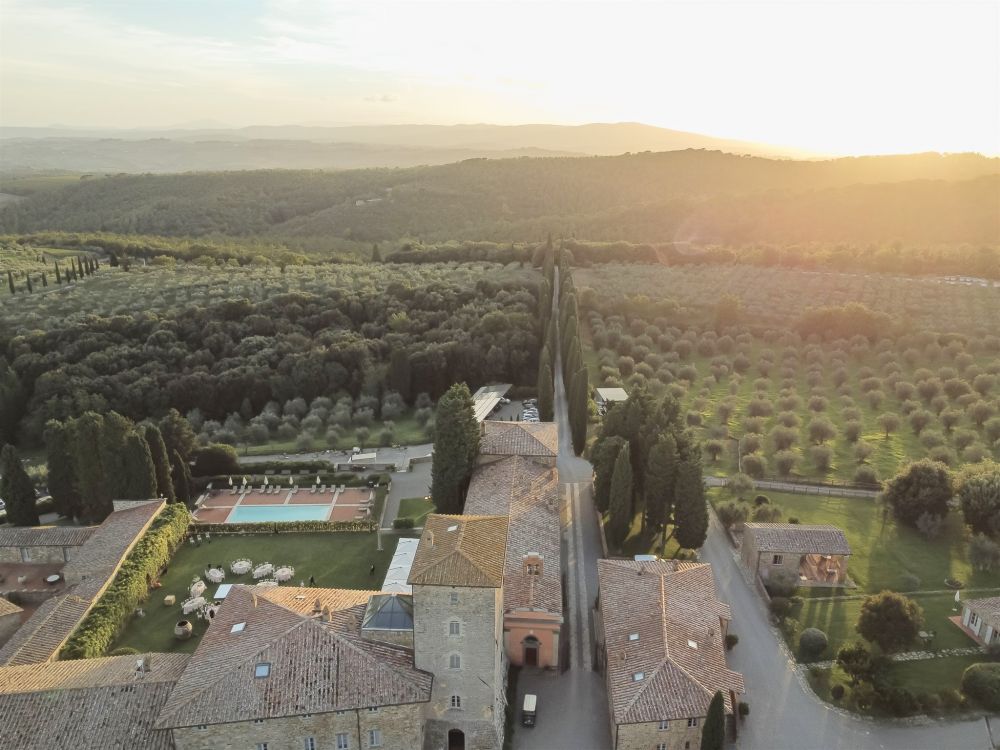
(346, 503)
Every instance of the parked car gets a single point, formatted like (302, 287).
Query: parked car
(529, 710)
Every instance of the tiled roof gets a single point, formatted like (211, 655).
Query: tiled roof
(111, 541)
(519, 439)
(528, 493)
(670, 605)
(7, 607)
(461, 551)
(822, 539)
(40, 638)
(315, 666)
(986, 608)
(87, 704)
(45, 536)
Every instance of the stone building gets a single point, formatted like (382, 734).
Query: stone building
(662, 647)
(287, 669)
(457, 582)
(813, 554)
(10, 619)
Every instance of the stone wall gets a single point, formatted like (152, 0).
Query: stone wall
(37, 555)
(481, 677)
(9, 624)
(401, 728)
(398, 637)
(677, 736)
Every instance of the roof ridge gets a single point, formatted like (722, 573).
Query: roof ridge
(354, 643)
(233, 665)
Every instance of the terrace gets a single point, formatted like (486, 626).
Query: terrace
(274, 503)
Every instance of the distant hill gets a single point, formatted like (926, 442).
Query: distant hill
(651, 197)
(345, 147)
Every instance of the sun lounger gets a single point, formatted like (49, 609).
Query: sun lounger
(312, 490)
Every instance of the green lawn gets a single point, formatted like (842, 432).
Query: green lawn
(882, 555)
(416, 508)
(336, 560)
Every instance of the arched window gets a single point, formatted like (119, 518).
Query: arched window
(456, 701)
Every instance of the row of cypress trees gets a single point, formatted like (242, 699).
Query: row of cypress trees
(79, 267)
(574, 371)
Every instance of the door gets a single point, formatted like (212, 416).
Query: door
(531, 651)
(456, 739)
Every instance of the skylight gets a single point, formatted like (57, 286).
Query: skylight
(263, 669)
(238, 627)
(638, 676)
(633, 636)
(453, 528)
(692, 644)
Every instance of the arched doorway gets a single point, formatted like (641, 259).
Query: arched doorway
(531, 645)
(456, 739)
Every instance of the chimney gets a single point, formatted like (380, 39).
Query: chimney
(253, 598)
(326, 616)
(532, 564)
(430, 538)
(317, 606)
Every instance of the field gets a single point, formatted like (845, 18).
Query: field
(340, 560)
(416, 508)
(848, 410)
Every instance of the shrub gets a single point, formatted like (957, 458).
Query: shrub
(767, 514)
(866, 475)
(782, 582)
(215, 459)
(837, 692)
(744, 709)
(898, 701)
(890, 620)
(754, 466)
(822, 457)
(740, 485)
(812, 643)
(731, 640)
(403, 523)
(761, 500)
(984, 553)
(951, 699)
(731, 514)
(780, 606)
(124, 651)
(784, 462)
(130, 586)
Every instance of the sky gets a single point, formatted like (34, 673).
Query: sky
(836, 77)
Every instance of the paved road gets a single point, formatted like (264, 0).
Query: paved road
(572, 706)
(784, 714)
(384, 454)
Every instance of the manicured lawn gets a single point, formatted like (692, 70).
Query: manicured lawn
(416, 508)
(336, 560)
(838, 617)
(881, 555)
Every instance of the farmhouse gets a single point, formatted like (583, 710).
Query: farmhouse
(817, 554)
(662, 632)
(981, 619)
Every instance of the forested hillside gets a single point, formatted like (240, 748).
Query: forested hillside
(652, 197)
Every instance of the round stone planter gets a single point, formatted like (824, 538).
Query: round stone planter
(183, 630)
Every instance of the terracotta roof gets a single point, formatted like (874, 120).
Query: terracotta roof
(7, 607)
(519, 439)
(528, 494)
(669, 605)
(40, 638)
(988, 608)
(461, 551)
(91, 704)
(44, 536)
(314, 666)
(103, 552)
(799, 538)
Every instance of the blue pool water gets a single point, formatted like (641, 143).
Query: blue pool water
(271, 513)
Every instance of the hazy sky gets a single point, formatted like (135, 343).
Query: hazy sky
(837, 77)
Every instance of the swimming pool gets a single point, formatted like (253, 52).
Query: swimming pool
(272, 513)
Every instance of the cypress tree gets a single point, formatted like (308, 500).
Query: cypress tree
(30, 287)
(177, 434)
(62, 480)
(45, 280)
(690, 514)
(13, 402)
(620, 507)
(181, 478)
(660, 482)
(58, 274)
(713, 734)
(545, 387)
(114, 433)
(578, 410)
(17, 489)
(161, 464)
(85, 439)
(456, 446)
(604, 455)
(376, 255)
(140, 473)
(10, 282)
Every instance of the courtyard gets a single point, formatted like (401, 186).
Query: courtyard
(333, 560)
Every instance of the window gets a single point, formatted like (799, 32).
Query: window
(633, 636)
(638, 676)
(454, 628)
(263, 669)
(310, 743)
(687, 745)
(372, 709)
(973, 620)
(238, 627)
(662, 746)
(374, 738)
(258, 721)
(693, 722)
(456, 701)
(261, 746)
(454, 661)
(340, 713)
(776, 560)
(533, 569)
(454, 597)
(343, 743)
(664, 724)
(202, 726)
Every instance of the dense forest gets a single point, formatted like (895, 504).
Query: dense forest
(700, 196)
(149, 340)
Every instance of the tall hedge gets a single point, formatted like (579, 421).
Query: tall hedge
(94, 636)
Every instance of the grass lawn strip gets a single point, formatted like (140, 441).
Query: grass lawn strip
(416, 508)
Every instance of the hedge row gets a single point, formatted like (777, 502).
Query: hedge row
(305, 479)
(107, 619)
(282, 527)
